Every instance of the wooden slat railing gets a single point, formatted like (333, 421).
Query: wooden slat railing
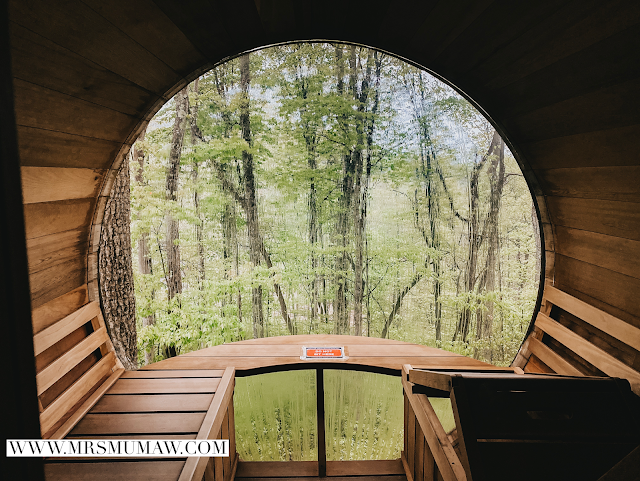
(428, 453)
(219, 423)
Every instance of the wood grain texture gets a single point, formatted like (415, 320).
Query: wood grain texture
(142, 403)
(109, 47)
(139, 423)
(165, 386)
(48, 109)
(57, 280)
(51, 250)
(612, 253)
(48, 184)
(53, 217)
(51, 312)
(617, 219)
(47, 148)
(616, 293)
(605, 183)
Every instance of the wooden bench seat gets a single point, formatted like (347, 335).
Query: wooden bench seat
(196, 404)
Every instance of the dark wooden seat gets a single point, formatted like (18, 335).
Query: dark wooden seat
(192, 404)
(536, 426)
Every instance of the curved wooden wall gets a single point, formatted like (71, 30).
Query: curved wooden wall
(559, 79)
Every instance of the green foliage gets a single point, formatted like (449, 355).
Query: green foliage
(303, 127)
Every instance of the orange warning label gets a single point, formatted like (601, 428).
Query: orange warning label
(323, 352)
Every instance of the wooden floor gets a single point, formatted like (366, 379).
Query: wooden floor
(273, 353)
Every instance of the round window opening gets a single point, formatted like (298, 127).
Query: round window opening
(323, 188)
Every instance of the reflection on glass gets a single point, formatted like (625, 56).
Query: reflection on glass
(275, 416)
(364, 415)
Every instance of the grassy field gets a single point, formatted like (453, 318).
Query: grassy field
(275, 416)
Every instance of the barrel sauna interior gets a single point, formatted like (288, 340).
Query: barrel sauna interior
(560, 80)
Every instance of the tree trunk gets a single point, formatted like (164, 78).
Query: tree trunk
(116, 273)
(145, 262)
(250, 201)
(496, 174)
(196, 136)
(475, 241)
(174, 274)
(340, 314)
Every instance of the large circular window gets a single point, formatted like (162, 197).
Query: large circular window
(329, 188)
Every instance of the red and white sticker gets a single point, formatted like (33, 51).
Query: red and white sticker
(311, 353)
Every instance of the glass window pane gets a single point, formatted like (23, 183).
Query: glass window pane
(363, 415)
(275, 416)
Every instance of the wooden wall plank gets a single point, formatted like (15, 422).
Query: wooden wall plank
(145, 23)
(39, 60)
(589, 352)
(506, 22)
(48, 337)
(47, 148)
(613, 326)
(612, 253)
(55, 281)
(610, 288)
(54, 249)
(444, 24)
(561, 81)
(569, 30)
(606, 183)
(612, 147)
(43, 108)
(48, 184)
(130, 403)
(109, 47)
(610, 107)
(71, 396)
(54, 371)
(52, 217)
(617, 219)
(49, 313)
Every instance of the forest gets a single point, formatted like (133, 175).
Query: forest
(321, 188)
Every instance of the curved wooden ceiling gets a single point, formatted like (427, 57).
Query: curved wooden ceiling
(559, 79)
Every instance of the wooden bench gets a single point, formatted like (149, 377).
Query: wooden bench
(75, 365)
(193, 404)
(574, 338)
(526, 426)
